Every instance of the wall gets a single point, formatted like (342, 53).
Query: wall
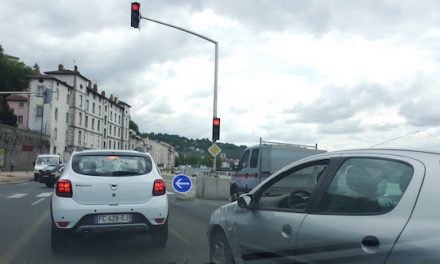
(12, 139)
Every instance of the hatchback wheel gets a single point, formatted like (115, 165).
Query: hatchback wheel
(59, 239)
(220, 250)
(159, 235)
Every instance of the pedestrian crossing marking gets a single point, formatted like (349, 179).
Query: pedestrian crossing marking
(45, 194)
(17, 195)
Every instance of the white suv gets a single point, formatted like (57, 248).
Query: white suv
(109, 190)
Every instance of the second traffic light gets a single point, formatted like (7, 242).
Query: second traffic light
(135, 14)
(216, 129)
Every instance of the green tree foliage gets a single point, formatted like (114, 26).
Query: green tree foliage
(195, 151)
(12, 78)
(132, 125)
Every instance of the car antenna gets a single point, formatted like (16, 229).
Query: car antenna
(417, 131)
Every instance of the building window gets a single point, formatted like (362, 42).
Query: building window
(55, 132)
(93, 108)
(105, 108)
(58, 93)
(68, 97)
(114, 131)
(118, 145)
(87, 105)
(39, 111)
(80, 119)
(99, 110)
(20, 120)
(105, 120)
(56, 113)
(111, 114)
(20, 105)
(40, 91)
(93, 123)
(67, 118)
(99, 122)
(119, 132)
(119, 119)
(79, 137)
(80, 101)
(87, 121)
(54, 150)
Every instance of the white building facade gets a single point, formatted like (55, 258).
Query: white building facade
(90, 119)
(162, 153)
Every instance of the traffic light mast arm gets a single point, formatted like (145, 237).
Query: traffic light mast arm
(205, 38)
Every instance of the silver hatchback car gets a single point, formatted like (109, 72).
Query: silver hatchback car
(358, 206)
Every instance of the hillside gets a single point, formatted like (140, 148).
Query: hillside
(198, 148)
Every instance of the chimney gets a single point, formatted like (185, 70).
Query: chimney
(60, 67)
(116, 100)
(89, 84)
(75, 68)
(103, 93)
(111, 97)
(95, 88)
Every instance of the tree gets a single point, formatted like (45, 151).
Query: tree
(12, 78)
(133, 126)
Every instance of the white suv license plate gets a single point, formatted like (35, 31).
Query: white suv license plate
(113, 218)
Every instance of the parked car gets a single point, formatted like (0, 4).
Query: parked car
(50, 174)
(358, 206)
(42, 161)
(109, 190)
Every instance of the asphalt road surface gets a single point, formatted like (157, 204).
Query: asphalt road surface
(25, 232)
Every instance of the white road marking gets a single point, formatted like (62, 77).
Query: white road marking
(17, 195)
(45, 194)
(168, 192)
(37, 201)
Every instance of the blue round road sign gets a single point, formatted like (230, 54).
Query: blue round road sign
(182, 183)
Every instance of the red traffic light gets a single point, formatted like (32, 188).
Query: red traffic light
(135, 6)
(216, 121)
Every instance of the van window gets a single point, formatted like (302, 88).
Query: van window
(244, 161)
(254, 158)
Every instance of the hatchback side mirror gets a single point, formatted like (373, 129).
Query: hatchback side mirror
(245, 201)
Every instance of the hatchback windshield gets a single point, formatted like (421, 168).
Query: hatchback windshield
(111, 165)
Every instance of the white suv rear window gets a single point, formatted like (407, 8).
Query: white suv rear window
(111, 165)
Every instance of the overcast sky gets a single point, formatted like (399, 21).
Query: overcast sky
(343, 74)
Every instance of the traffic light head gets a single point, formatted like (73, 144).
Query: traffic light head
(216, 129)
(135, 14)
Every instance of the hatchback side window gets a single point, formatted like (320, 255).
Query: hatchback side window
(366, 186)
(293, 188)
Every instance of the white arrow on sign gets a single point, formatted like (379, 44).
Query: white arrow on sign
(179, 183)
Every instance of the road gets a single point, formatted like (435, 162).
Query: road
(25, 232)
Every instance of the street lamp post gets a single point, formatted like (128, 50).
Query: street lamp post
(215, 66)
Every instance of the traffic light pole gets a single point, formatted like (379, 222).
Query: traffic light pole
(214, 164)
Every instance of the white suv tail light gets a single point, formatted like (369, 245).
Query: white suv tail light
(64, 188)
(159, 188)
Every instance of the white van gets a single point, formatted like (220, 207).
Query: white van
(44, 160)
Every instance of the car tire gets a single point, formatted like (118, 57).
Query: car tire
(159, 235)
(58, 239)
(219, 249)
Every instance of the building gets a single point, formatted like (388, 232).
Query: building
(163, 154)
(135, 141)
(19, 104)
(50, 115)
(90, 119)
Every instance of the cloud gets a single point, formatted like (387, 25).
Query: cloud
(424, 111)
